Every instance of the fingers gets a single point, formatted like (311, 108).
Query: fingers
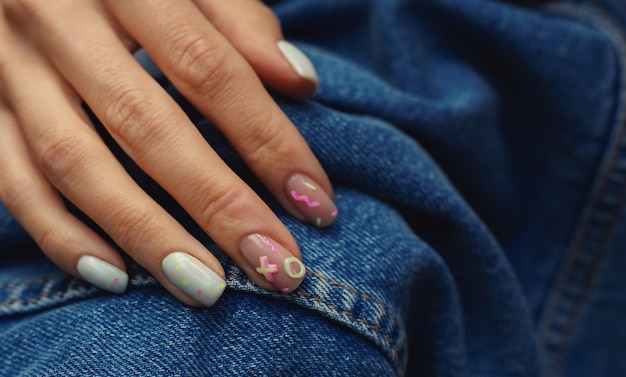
(255, 32)
(157, 135)
(37, 206)
(75, 160)
(153, 130)
(218, 81)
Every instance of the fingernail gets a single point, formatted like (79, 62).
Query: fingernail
(298, 61)
(310, 200)
(273, 262)
(102, 274)
(193, 277)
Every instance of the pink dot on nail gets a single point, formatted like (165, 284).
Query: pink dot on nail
(199, 292)
(285, 290)
(116, 280)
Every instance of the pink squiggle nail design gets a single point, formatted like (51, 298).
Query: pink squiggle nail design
(305, 199)
(269, 244)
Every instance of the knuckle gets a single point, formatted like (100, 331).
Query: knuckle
(60, 151)
(21, 9)
(132, 117)
(266, 143)
(14, 190)
(200, 62)
(50, 239)
(224, 207)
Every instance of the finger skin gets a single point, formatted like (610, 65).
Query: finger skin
(151, 128)
(254, 30)
(76, 161)
(219, 82)
(37, 206)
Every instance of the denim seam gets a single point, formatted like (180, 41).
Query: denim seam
(51, 279)
(59, 294)
(345, 287)
(301, 292)
(381, 338)
(587, 252)
(57, 289)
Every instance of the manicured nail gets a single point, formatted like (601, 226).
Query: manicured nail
(298, 61)
(193, 277)
(310, 200)
(102, 274)
(273, 262)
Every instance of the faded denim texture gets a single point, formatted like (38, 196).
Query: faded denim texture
(478, 152)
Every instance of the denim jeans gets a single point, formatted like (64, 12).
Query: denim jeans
(478, 153)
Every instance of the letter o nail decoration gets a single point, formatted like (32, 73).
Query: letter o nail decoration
(287, 265)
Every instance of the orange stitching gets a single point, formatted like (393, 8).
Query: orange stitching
(13, 284)
(362, 295)
(43, 296)
(338, 284)
(247, 279)
(361, 320)
(350, 289)
(393, 345)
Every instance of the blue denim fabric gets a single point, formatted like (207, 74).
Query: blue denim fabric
(478, 151)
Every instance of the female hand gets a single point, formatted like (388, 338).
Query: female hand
(54, 55)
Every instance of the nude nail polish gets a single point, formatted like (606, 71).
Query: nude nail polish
(298, 61)
(102, 274)
(273, 262)
(191, 276)
(310, 200)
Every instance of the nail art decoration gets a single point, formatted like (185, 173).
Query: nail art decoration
(273, 262)
(267, 269)
(310, 200)
(102, 274)
(298, 61)
(193, 277)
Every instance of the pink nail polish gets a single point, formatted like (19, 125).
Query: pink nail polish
(273, 262)
(310, 200)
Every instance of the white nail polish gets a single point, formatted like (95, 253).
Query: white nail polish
(300, 63)
(102, 274)
(194, 278)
